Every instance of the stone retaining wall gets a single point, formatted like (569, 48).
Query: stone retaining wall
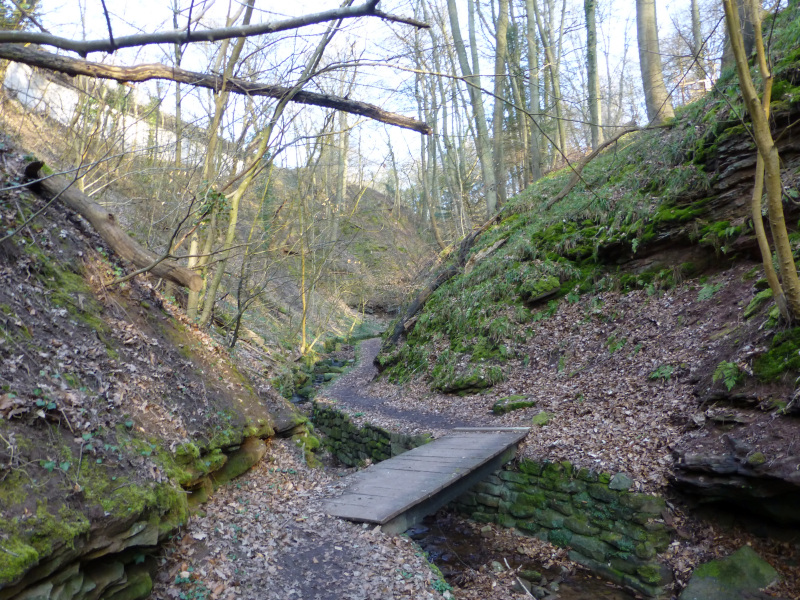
(612, 531)
(352, 444)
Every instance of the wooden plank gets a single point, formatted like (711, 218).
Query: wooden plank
(387, 491)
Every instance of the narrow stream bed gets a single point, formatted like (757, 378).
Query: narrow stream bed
(459, 548)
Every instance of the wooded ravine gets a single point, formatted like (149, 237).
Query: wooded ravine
(227, 286)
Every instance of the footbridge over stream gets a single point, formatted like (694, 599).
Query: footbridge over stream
(397, 493)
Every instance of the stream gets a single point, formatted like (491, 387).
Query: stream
(458, 549)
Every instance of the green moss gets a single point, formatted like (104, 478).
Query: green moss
(511, 403)
(757, 302)
(783, 357)
(16, 557)
(186, 453)
(541, 419)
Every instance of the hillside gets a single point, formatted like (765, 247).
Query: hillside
(116, 416)
(625, 320)
(368, 268)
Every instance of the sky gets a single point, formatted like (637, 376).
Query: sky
(368, 37)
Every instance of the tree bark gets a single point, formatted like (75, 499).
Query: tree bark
(472, 77)
(590, 8)
(533, 91)
(769, 153)
(107, 227)
(368, 9)
(658, 102)
(500, 58)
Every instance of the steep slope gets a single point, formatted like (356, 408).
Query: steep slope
(116, 416)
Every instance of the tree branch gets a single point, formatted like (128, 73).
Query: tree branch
(180, 36)
(137, 73)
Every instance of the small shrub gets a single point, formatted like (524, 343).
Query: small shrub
(729, 373)
(708, 291)
(664, 372)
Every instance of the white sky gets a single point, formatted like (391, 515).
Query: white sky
(371, 37)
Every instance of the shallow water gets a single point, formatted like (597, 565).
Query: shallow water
(457, 549)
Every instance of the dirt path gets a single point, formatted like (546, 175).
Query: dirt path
(264, 536)
(348, 393)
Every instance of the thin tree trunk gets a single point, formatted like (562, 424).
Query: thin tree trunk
(533, 90)
(249, 175)
(500, 58)
(472, 77)
(768, 152)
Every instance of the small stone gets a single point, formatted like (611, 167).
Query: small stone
(620, 482)
(522, 586)
(497, 567)
(538, 592)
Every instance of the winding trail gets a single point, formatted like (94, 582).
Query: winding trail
(347, 392)
(266, 535)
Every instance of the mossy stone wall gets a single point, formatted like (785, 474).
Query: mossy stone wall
(353, 445)
(612, 531)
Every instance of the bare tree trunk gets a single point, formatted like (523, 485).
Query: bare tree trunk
(500, 58)
(341, 178)
(178, 119)
(555, 81)
(768, 153)
(590, 8)
(533, 90)
(658, 102)
(747, 32)
(697, 39)
(248, 176)
(220, 103)
(472, 77)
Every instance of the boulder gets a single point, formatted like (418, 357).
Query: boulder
(738, 576)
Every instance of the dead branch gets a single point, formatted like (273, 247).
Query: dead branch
(137, 73)
(181, 36)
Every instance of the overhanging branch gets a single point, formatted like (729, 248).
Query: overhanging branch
(180, 36)
(138, 73)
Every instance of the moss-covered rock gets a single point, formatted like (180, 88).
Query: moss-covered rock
(251, 451)
(511, 403)
(741, 573)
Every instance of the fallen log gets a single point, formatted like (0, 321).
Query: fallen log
(106, 225)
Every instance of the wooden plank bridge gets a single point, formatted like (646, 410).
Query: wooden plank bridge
(397, 493)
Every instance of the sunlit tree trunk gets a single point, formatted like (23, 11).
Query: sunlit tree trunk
(657, 100)
(533, 90)
(590, 8)
(471, 75)
(500, 58)
(789, 286)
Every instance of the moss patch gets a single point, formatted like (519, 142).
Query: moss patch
(782, 358)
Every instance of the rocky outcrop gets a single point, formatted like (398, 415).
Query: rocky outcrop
(112, 562)
(742, 475)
